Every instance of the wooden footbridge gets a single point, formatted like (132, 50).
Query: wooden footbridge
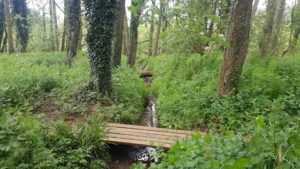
(144, 136)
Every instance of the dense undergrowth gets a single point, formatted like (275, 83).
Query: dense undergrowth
(257, 128)
(26, 142)
(34, 88)
(186, 89)
(27, 80)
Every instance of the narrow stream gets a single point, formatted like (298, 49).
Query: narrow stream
(124, 156)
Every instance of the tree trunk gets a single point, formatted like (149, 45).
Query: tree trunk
(150, 50)
(165, 25)
(44, 25)
(73, 29)
(79, 46)
(52, 36)
(126, 38)
(8, 19)
(56, 34)
(1, 21)
(20, 12)
(234, 56)
(63, 37)
(277, 26)
(100, 22)
(156, 44)
(254, 10)
(268, 28)
(295, 28)
(4, 43)
(118, 33)
(134, 25)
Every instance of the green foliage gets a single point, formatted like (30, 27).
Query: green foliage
(193, 29)
(263, 148)
(26, 143)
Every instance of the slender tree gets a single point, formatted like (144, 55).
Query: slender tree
(79, 46)
(234, 56)
(118, 33)
(160, 18)
(52, 35)
(295, 26)
(2, 28)
(9, 31)
(134, 25)
(277, 26)
(126, 38)
(54, 16)
(100, 22)
(4, 43)
(254, 10)
(152, 22)
(265, 44)
(44, 26)
(73, 29)
(20, 11)
(63, 37)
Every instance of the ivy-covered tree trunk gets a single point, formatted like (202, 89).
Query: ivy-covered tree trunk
(1, 21)
(277, 26)
(20, 11)
(9, 31)
(100, 23)
(234, 56)
(52, 35)
(152, 22)
(134, 25)
(118, 33)
(265, 44)
(73, 29)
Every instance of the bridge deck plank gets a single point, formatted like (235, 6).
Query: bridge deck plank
(144, 136)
